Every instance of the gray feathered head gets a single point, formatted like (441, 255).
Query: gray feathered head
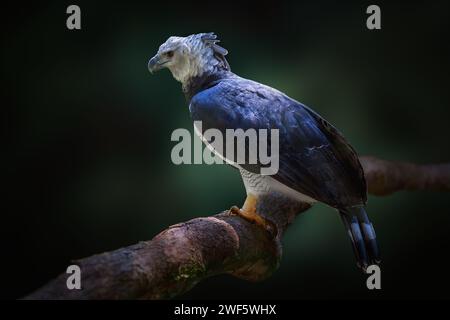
(191, 56)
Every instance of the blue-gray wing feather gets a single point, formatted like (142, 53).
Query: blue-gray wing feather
(314, 158)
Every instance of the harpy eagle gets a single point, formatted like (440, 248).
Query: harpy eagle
(316, 163)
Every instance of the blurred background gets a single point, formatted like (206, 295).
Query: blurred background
(88, 165)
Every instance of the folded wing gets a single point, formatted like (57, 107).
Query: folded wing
(314, 158)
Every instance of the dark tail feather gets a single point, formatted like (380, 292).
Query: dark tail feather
(362, 236)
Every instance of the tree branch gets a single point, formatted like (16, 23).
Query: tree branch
(186, 253)
(386, 177)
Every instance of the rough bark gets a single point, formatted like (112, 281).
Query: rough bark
(185, 254)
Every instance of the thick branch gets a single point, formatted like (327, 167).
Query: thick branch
(386, 177)
(185, 254)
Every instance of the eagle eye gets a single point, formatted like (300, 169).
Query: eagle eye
(169, 54)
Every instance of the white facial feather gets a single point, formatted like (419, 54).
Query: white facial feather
(192, 57)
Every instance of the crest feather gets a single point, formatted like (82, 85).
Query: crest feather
(210, 40)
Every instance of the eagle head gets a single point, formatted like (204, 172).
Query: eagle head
(190, 57)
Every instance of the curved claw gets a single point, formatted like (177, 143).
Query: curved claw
(255, 218)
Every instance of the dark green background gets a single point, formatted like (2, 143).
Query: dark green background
(88, 167)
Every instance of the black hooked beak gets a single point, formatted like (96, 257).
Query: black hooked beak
(156, 64)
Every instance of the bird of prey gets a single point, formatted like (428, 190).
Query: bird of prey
(316, 163)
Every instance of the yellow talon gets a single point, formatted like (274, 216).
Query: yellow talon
(248, 212)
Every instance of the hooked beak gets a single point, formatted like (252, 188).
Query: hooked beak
(156, 64)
